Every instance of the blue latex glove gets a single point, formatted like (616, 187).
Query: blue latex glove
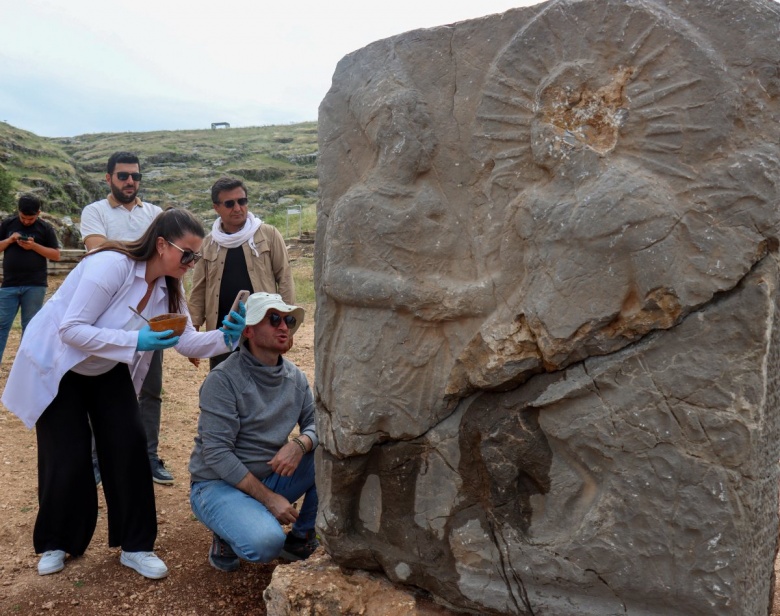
(233, 325)
(155, 341)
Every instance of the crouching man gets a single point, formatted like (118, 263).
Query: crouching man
(245, 473)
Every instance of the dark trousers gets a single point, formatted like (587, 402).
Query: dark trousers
(218, 359)
(67, 495)
(150, 404)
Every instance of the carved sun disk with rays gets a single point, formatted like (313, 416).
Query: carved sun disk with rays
(635, 84)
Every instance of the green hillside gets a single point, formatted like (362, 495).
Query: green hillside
(277, 163)
(41, 165)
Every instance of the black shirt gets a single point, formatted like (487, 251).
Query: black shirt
(26, 268)
(235, 278)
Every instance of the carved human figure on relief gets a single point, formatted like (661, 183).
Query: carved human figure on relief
(399, 264)
(602, 153)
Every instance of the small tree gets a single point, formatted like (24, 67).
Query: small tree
(6, 191)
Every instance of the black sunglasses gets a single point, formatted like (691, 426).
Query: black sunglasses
(231, 202)
(187, 256)
(123, 175)
(276, 319)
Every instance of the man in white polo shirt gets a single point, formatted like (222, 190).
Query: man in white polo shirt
(123, 216)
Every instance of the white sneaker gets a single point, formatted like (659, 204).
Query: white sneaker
(145, 563)
(52, 561)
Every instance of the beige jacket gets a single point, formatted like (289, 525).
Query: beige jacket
(270, 272)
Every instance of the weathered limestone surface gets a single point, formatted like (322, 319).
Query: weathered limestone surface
(546, 274)
(319, 587)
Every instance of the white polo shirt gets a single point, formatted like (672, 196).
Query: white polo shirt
(113, 221)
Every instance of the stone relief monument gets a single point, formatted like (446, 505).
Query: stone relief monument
(547, 332)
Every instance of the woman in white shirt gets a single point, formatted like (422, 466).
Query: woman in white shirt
(82, 360)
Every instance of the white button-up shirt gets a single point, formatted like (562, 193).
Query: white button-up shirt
(86, 318)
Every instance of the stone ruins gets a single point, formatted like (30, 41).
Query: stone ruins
(547, 333)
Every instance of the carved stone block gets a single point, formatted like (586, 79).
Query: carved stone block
(546, 337)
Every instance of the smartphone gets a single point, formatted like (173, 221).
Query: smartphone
(241, 296)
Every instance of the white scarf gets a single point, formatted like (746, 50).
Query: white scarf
(234, 240)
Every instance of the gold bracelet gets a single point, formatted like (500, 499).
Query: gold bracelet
(300, 444)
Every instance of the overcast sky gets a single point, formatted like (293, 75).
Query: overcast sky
(88, 66)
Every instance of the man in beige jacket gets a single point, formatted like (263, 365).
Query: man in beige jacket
(240, 253)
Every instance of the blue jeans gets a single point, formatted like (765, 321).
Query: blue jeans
(29, 299)
(246, 524)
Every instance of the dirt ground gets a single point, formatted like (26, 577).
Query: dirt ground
(96, 583)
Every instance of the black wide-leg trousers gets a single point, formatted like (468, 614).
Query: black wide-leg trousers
(67, 495)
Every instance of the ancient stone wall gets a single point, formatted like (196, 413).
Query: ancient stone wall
(546, 273)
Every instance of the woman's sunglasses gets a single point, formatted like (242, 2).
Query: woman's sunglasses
(187, 256)
(276, 320)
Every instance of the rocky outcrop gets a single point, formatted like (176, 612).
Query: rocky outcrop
(304, 159)
(318, 586)
(546, 336)
(265, 174)
(68, 232)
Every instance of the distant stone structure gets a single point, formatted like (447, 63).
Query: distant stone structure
(216, 125)
(547, 332)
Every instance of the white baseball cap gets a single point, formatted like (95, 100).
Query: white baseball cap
(258, 304)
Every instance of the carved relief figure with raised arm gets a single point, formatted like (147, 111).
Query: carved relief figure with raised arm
(398, 259)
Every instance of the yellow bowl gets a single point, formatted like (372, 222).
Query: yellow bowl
(171, 320)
